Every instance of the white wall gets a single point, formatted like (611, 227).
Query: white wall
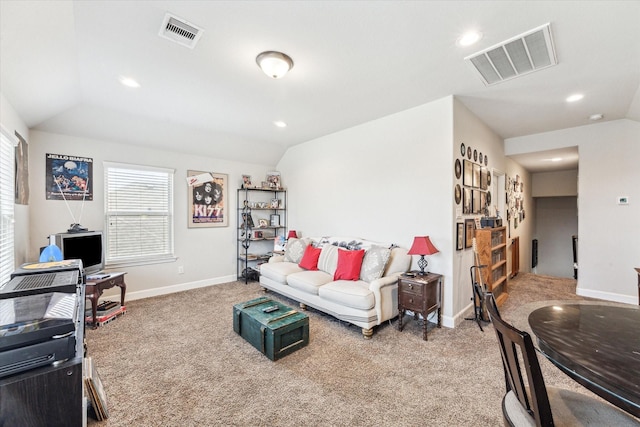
(608, 234)
(208, 255)
(386, 180)
(12, 123)
(556, 223)
(555, 184)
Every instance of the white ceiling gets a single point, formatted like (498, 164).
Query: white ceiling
(355, 61)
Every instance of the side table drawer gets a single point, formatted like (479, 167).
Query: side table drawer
(411, 288)
(411, 301)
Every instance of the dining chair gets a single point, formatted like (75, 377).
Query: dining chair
(527, 401)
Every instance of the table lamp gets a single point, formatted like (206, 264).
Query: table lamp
(422, 246)
(292, 234)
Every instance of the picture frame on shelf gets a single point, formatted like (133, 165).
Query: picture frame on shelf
(247, 220)
(275, 203)
(207, 195)
(459, 236)
(273, 180)
(257, 235)
(263, 223)
(275, 220)
(246, 181)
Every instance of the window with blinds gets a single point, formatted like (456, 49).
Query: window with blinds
(139, 214)
(7, 194)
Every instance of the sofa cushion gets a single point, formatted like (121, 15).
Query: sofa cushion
(374, 262)
(350, 293)
(309, 260)
(294, 250)
(309, 281)
(278, 271)
(349, 264)
(328, 261)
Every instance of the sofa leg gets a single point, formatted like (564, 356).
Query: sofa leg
(367, 333)
(303, 306)
(265, 290)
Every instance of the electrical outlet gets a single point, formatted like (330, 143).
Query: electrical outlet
(181, 269)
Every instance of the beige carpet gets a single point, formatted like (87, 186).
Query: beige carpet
(175, 360)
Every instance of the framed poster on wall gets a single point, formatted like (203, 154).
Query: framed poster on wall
(207, 199)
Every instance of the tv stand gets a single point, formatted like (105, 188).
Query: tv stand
(95, 287)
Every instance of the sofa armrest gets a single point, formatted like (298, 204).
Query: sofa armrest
(383, 292)
(276, 258)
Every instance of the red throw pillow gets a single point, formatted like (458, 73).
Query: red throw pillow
(349, 264)
(309, 260)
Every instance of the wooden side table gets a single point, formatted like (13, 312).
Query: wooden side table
(421, 294)
(94, 289)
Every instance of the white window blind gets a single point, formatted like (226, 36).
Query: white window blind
(7, 195)
(139, 214)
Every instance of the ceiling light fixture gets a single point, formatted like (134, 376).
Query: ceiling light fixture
(280, 124)
(469, 38)
(596, 117)
(274, 64)
(575, 97)
(129, 82)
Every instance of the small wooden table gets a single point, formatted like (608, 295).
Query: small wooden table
(421, 294)
(94, 289)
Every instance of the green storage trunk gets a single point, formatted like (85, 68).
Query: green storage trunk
(275, 334)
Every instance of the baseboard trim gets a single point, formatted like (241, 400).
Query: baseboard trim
(607, 296)
(148, 293)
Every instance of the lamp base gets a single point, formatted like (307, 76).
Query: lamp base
(422, 263)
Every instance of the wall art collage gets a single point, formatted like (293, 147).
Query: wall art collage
(471, 190)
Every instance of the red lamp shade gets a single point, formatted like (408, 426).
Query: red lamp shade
(422, 246)
(292, 234)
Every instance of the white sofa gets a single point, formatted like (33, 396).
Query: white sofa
(365, 302)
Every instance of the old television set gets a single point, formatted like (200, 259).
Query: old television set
(87, 246)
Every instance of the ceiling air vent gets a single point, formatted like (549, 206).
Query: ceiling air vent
(180, 31)
(520, 55)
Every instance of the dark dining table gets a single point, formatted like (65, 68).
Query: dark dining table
(598, 345)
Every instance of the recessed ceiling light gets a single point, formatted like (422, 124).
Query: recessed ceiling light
(469, 38)
(280, 124)
(596, 117)
(129, 82)
(575, 97)
(556, 159)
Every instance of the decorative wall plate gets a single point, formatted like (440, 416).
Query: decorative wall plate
(480, 157)
(489, 178)
(463, 150)
(458, 168)
(488, 198)
(469, 152)
(486, 160)
(458, 194)
(475, 155)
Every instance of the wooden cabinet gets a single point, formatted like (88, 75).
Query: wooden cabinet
(421, 294)
(491, 245)
(262, 217)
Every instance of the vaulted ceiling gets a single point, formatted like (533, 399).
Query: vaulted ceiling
(355, 61)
